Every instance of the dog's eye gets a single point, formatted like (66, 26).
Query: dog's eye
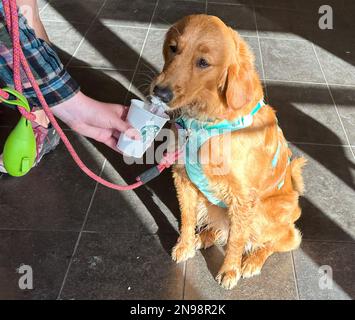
(173, 48)
(202, 63)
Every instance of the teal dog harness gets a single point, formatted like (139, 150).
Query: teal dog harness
(198, 133)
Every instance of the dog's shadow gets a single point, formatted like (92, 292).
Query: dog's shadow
(213, 257)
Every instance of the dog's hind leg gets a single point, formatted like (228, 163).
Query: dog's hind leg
(254, 261)
(209, 237)
(290, 241)
(215, 230)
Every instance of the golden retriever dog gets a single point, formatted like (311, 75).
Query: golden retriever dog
(209, 75)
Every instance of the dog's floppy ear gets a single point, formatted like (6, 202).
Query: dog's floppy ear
(240, 74)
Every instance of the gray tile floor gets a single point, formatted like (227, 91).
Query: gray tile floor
(85, 241)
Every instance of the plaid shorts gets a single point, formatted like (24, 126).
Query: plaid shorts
(54, 81)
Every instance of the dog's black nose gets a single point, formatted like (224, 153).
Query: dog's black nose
(164, 93)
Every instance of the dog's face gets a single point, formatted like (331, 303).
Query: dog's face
(207, 69)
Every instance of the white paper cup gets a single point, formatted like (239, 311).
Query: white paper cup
(147, 123)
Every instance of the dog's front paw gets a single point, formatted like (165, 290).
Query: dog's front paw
(228, 279)
(251, 266)
(183, 251)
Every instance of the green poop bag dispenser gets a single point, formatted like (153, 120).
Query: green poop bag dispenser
(19, 152)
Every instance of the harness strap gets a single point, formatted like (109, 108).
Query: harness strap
(275, 159)
(280, 181)
(200, 132)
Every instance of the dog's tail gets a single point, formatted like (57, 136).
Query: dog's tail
(296, 174)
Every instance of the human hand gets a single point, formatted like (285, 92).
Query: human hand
(101, 121)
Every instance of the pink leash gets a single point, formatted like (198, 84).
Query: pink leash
(19, 60)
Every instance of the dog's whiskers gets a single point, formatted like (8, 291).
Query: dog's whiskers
(154, 73)
(144, 88)
(151, 78)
